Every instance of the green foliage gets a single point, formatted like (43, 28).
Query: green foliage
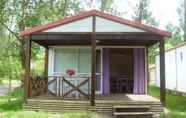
(106, 5)
(153, 51)
(181, 10)
(176, 36)
(9, 58)
(143, 14)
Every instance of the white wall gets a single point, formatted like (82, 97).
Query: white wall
(157, 62)
(175, 69)
(152, 75)
(102, 25)
(181, 69)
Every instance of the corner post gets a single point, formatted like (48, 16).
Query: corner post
(27, 69)
(162, 73)
(93, 66)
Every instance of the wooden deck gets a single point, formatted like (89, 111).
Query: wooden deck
(103, 104)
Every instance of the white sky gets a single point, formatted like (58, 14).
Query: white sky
(165, 11)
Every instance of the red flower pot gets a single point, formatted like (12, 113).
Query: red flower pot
(70, 72)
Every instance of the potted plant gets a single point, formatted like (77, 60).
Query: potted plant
(70, 72)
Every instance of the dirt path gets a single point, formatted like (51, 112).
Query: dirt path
(4, 89)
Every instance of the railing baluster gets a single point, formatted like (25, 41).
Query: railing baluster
(62, 87)
(58, 87)
(56, 84)
(88, 87)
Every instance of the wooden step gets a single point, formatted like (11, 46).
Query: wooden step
(133, 115)
(101, 106)
(130, 108)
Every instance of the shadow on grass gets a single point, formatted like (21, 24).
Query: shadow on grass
(14, 105)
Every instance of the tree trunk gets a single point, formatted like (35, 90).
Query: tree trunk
(9, 88)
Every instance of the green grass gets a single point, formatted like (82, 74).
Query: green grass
(174, 103)
(13, 104)
(32, 114)
(4, 81)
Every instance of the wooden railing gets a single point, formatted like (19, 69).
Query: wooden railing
(63, 87)
(69, 87)
(37, 86)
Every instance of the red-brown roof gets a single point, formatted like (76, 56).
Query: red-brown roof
(82, 15)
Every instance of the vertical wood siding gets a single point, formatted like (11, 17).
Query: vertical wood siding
(175, 68)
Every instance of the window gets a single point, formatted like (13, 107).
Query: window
(65, 59)
(77, 59)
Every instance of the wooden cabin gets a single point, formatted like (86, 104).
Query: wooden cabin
(94, 61)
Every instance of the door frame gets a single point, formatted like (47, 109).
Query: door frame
(146, 59)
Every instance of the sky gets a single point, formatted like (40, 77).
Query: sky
(165, 11)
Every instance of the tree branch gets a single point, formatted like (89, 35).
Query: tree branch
(11, 31)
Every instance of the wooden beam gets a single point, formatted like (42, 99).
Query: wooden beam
(100, 36)
(27, 69)
(162, 73)
(93, 69)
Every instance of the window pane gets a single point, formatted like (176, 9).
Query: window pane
(98, 82)
(84, 61)
(65, 59)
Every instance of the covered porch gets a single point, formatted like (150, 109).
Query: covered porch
(95, 30)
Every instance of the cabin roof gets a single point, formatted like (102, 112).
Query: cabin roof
(83, 15)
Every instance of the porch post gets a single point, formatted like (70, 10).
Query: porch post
(46, 64)
(93, 66)
(27, 69)
(147, 69)
(162, 73)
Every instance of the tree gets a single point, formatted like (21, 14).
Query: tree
(17, 15)
(182, 17)
(143, 14)
(176, 36)
(106, 5)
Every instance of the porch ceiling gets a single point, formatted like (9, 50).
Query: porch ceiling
(104, 38)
